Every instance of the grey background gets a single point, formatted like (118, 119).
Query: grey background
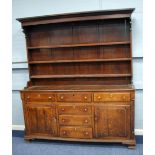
(29, 8)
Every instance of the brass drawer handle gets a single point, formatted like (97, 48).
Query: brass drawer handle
(86, 133)
(99, 97)
(85, 97)
(61, 97)
(124, 97)
(28, 97)
(50, 97)
(86, 121)
(63, 120)
(85, 109)
(111, 95)
(62, 109)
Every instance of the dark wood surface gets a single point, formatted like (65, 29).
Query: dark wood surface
(81, 45)
(80, 70)
(104, 115)
(81, 87)
(79, 16)
(95, 49)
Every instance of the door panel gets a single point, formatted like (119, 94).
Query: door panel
(112, 121)
(117, 121)
(101, 125)
(40, 120)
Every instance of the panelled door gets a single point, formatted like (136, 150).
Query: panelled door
(40, 119)
(112, 121)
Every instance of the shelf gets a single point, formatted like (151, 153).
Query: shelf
(86, 60)
(81, 87)
(79, 76)
(81, 45)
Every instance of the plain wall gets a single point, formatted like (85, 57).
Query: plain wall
(30, 8)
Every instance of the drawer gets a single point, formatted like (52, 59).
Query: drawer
(74, 97)
(108, 96)
(39, 97)
(75, 109)
(75, 120)
(76, 132)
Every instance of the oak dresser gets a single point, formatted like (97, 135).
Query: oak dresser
(80, 70)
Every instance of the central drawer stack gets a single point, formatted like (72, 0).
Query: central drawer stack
(75, 115)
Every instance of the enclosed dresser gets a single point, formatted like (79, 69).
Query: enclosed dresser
(80, 70)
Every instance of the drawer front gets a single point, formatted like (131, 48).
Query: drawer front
(74, 97)
(76, 132)
(75, 109)
(40, 97)
(75, 120)
(100, 97)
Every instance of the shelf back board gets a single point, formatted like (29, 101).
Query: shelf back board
(89, 48)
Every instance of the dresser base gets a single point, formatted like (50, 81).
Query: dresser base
(131, 143)
(82, 114)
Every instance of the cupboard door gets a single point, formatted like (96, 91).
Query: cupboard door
(112, 121)
(40, 119)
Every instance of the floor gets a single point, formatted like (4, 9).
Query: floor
(44, 147)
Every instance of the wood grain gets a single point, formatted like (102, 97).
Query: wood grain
(80, 69)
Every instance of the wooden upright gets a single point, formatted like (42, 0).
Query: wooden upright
(80, 70)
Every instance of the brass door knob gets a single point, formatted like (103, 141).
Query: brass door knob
(28, 97)
(54, 118)
(86, 133)
(64, 132)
